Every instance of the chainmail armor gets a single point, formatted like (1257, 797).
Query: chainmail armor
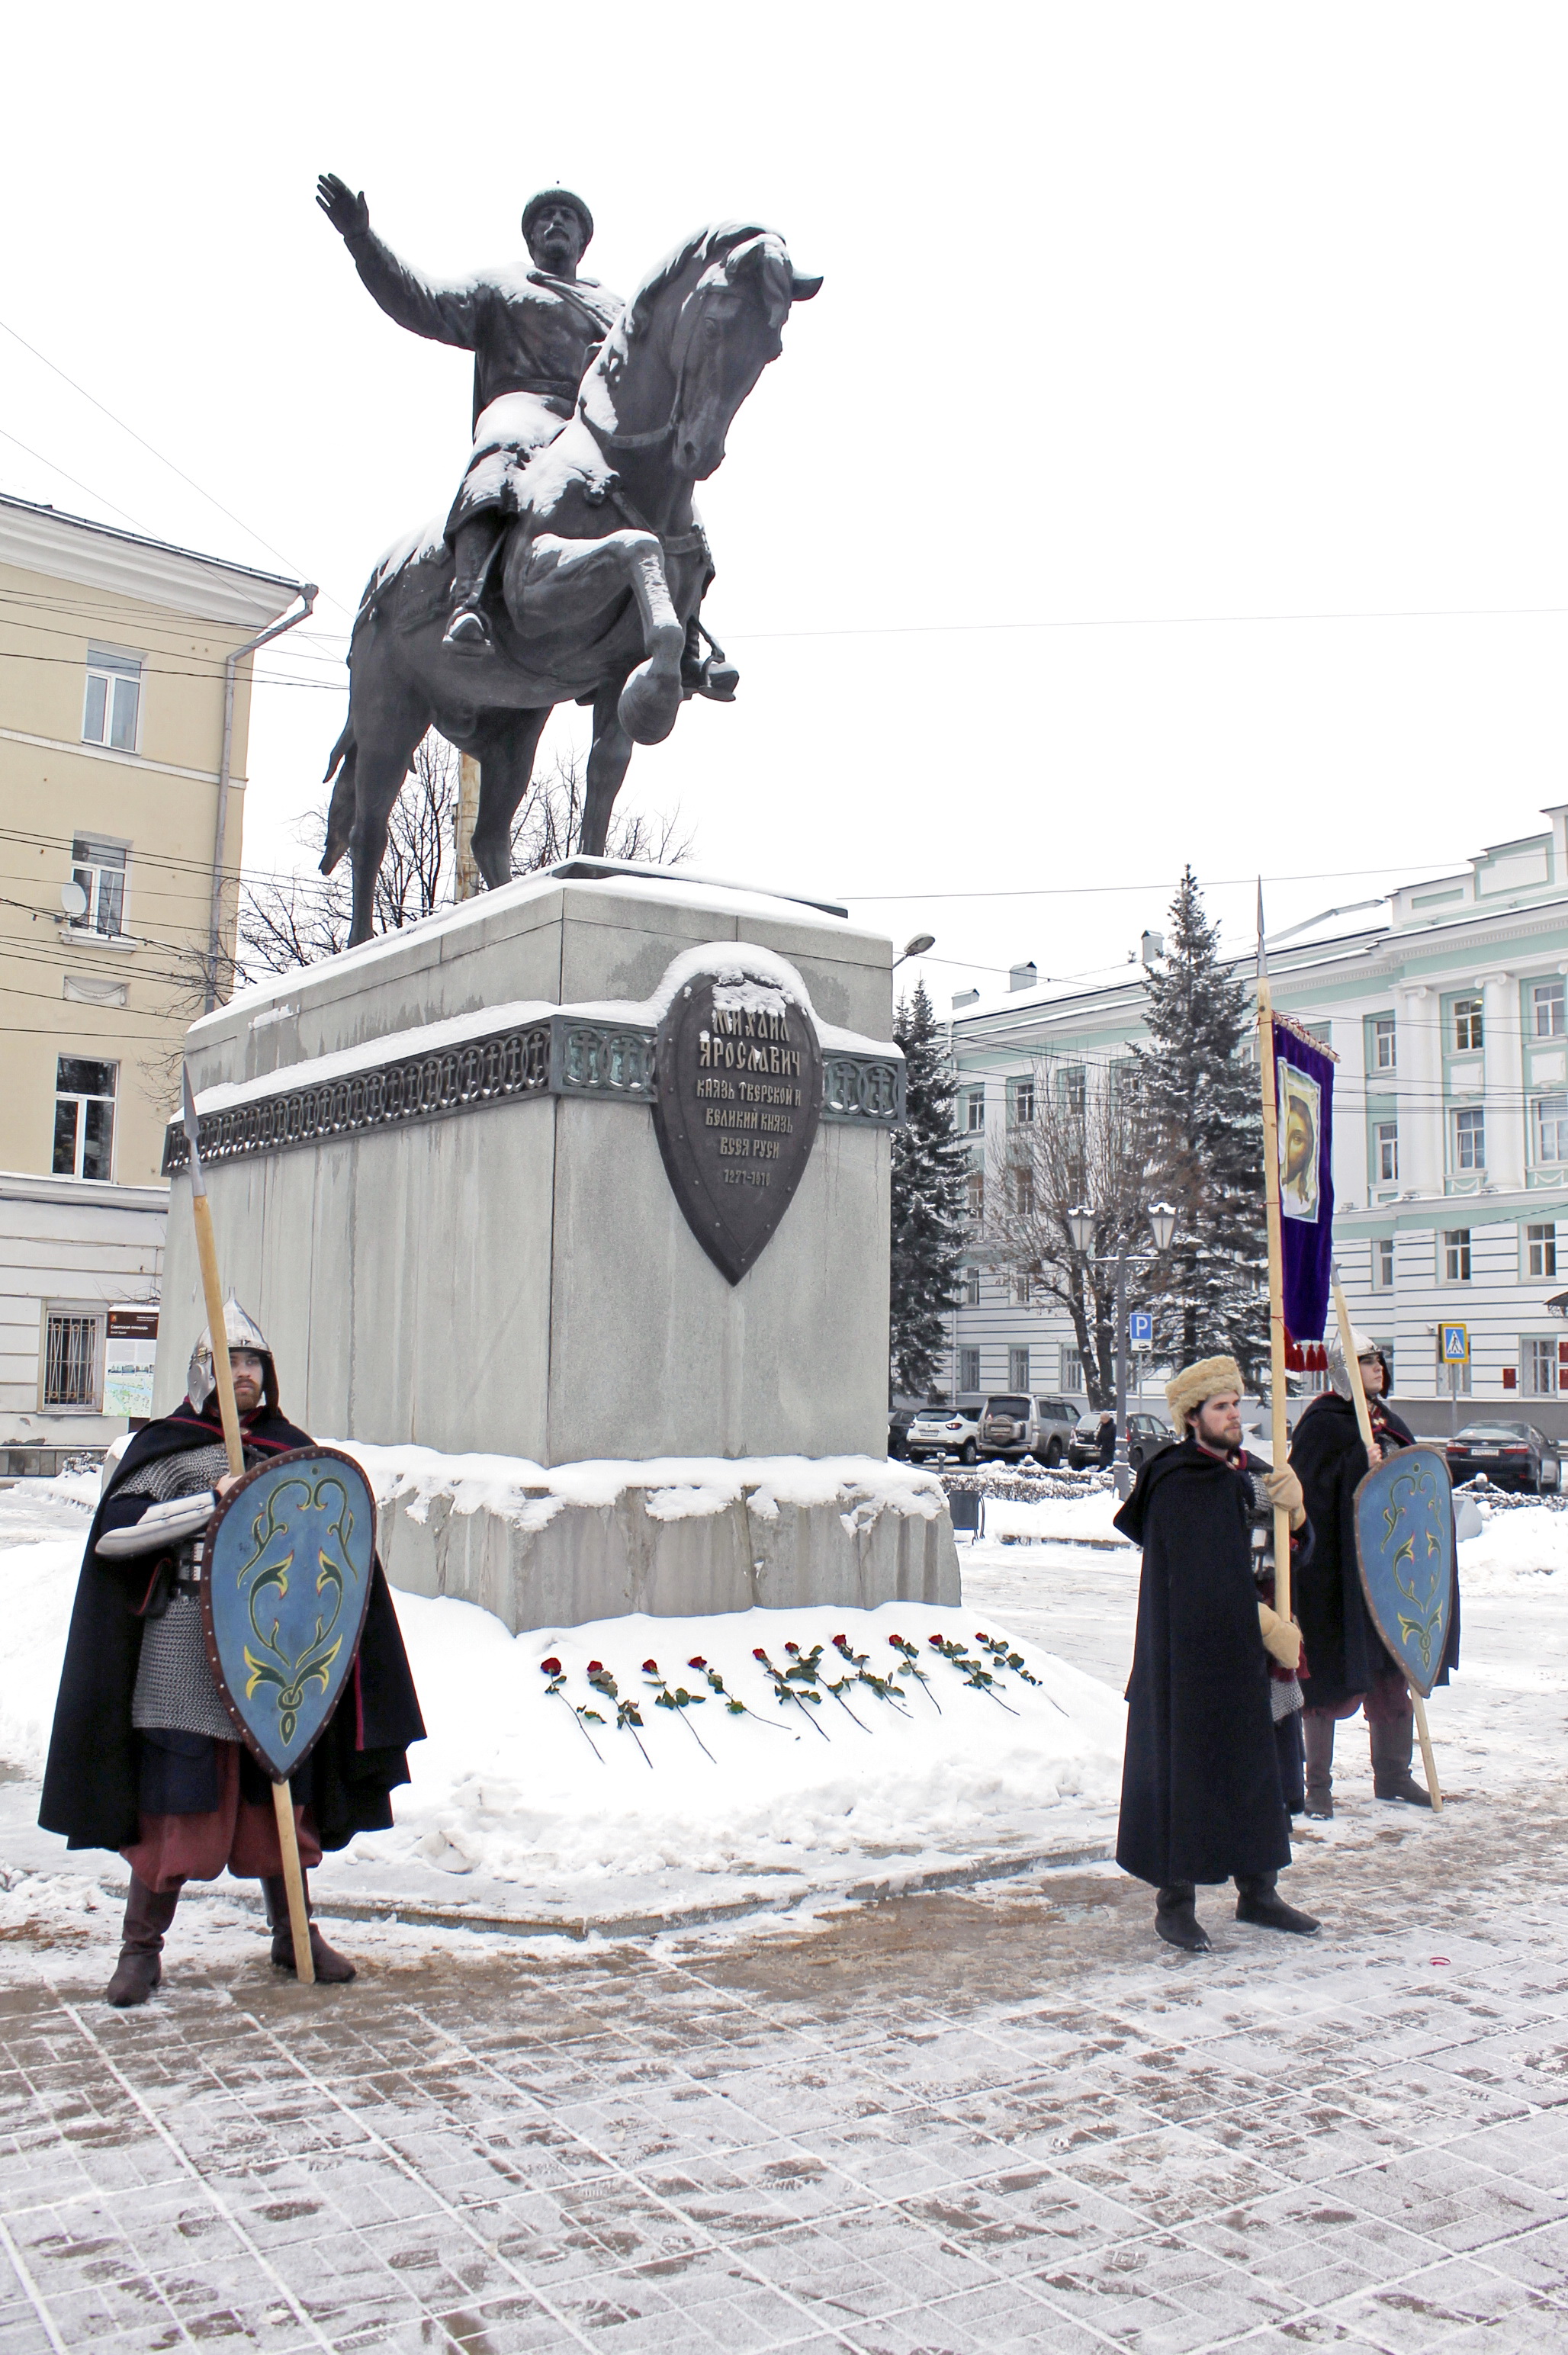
(174, 1687)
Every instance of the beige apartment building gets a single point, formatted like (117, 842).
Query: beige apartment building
(125, 709)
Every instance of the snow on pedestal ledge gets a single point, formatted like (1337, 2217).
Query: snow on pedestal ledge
(670, 1537)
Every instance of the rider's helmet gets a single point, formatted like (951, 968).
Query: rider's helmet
(536, 206)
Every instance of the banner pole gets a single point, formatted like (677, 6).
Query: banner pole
(1364, 1425)
(223, 1375)
(1279, 1430)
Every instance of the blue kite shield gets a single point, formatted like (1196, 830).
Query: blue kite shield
(284, 1586)
(1405, 1544)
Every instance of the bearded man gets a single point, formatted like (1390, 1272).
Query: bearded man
(1202, 1790)
(144, 1756)
(1350, 1666)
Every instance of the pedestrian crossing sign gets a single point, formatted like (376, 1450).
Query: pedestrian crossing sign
(1455, 1345)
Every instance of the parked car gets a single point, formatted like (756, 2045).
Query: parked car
(1144, 1433)
(943, 1429)
(1512, 1454)
(1013, 1425)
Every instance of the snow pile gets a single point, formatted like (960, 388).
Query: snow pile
(1073, 1521)
(1515, 1552)
(679, 1487)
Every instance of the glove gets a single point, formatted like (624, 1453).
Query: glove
(1283, 1490)
(1282, 1638)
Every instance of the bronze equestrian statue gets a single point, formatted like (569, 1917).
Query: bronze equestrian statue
(572, 564)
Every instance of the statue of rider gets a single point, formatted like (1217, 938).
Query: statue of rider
(533, 334)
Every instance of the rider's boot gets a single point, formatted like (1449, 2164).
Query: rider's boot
(474, 549)
(713, 673)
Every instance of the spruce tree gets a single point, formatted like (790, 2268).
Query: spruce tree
(930, 1178)
(1210, 1296)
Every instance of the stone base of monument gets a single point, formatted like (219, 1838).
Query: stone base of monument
(668, 1538)
(594, 1169)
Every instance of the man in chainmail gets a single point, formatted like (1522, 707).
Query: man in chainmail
(144, 1756)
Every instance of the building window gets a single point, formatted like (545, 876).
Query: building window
(1550, 1123)
(1072, 1089)
(968, 1370)
(1385, 1050)
(976, 1187)
(1320, 1033)
(1470, 1139)
(1467, 1024)
(1382, 1264)
(1071, 1369)
(971, 1287)
(973, 1110)
(1023, 1193)
(70, 1360)
(1023, 1102)
(84, 1117)
(111, 712)
(1385, 1141)
(1546, 999)
(1541, 1250)
(1017, 1368)
(1456, 1255)
(99, 868)
(1540, 1368)
(1022, 1286)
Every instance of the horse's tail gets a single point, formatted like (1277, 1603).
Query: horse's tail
(340, 810)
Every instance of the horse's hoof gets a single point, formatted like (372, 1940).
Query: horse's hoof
(649, 705)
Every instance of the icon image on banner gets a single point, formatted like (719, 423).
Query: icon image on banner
(1140, 1328)
(1455, 1345)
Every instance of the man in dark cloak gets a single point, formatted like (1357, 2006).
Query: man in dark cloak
(144, 1756)
(1350, 1666)
(1201, 1796)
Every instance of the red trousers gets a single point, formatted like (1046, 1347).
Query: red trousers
(238, 1833)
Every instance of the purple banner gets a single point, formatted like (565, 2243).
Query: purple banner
(1304, 1093)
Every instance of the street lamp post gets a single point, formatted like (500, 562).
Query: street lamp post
(1162, 1227)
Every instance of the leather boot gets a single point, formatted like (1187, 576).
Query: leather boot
(148, 1913)
(1259, 1902)
(474, 549)
(332, 1969)
(1177, 1921)
(1392, 1741)
(1317, 1732)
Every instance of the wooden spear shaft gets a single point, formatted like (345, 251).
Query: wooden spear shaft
(1364, 1425)
(223, 1375)
(1278, 1431)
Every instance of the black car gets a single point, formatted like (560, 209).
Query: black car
(1511, 1454)
(1144, 1433)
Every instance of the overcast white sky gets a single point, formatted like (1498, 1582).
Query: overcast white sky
(1143, 327)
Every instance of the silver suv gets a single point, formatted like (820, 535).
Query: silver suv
(1013, 1425)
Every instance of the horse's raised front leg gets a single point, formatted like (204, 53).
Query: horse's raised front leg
(565, 583)
(506, 766)
(607, 765)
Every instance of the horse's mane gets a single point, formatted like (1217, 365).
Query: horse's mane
(703, 247)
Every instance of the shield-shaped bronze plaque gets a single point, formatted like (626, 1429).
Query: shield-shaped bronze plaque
(738, 1100)
(284, 1584)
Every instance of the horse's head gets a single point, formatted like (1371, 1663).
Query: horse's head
(693, 342)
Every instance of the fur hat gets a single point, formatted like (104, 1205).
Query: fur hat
(536, 205)
(1195, 1385)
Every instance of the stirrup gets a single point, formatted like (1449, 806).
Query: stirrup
(467, 632)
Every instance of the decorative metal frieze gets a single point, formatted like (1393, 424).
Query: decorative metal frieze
(561, 1055)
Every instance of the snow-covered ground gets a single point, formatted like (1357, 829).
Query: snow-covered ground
(520, 1807)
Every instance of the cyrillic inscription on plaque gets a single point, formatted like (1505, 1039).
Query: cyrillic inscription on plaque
(738, 1100)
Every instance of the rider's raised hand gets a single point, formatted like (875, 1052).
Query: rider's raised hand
(349, 214)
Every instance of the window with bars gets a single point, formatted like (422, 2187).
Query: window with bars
(1385, 1047)
(1548, 1126)
(1540, 1249)
(112, 708)
(1546, 999)
(1382, 1264)
(1385, 1143)
(1456, 1255)
(1470, 1138)
(1467, 1024)
(70, 1359)
(84, 1117)
(1539, 1367)
(99, 868)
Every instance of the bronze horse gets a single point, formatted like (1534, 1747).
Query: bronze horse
(601, 570)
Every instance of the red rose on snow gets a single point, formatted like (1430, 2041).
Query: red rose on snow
(759, 1654)
(650, 1668)
(840, 1641)
(793, 1650)
(594, 1667)
(697, 1661)
(549, 1668)
(935, 1643)
(981, 1636)
(895, 1639)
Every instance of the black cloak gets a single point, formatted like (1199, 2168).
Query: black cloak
(1201, 1788)
(90, 1782)
(1345, 1654)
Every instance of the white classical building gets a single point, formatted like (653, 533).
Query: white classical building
(1447, 1015)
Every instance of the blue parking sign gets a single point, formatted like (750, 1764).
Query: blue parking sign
(1455, 1345)
(1140, 1328)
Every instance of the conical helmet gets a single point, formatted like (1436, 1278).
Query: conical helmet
(241, 1332)
(1338, 1372)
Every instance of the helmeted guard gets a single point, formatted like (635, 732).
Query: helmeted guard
(144, 1756)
